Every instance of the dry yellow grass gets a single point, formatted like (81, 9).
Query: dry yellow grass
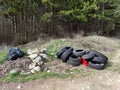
(100, 43)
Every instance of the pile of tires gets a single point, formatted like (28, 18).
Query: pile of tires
(92, 58)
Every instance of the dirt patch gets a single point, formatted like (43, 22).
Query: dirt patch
(58, 66)
(101, 81)
(20, 64)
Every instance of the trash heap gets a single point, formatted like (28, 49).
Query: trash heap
(35, 61)
(91, 58)
(38, 60)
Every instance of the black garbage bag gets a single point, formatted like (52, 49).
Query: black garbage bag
(15, 53)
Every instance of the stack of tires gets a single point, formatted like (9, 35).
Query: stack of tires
(92, 58)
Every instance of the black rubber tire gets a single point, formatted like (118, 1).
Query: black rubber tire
(96, 66)
(99, 60)
(65, 56)
(60, 52)
(73, 63)
(88, 57)
(79, 52)
(74, 58)
(99, 54)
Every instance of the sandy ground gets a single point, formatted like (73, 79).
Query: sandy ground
(107, 79)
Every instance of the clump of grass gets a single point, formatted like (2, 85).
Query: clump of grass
(3, 53)
(3, 57)
(24, 51)
(55, 45)
(24, 78)
(12, 76)
(77, 71)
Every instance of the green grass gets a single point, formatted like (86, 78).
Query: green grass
(10, 77)
(56, 45)
(24, 78)
(3, 57)
(16, 77)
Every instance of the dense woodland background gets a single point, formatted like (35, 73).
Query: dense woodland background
(22, 21)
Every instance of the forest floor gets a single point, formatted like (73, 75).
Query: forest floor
(107, 79)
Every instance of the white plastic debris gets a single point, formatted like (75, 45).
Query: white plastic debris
(31, 66)
(43, 50)
(33, 56)
(37, 59)
(29, 52)
(34, 51)
(13, 71)
(19, 87)
(40, 63)
(32, 71)
(25, 73)
(48, 71)
(36, 69)
(44, 56)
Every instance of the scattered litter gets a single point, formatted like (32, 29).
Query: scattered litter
(33, 56)
(43, 50)
(37, 58)
(13, 71)
(36, 69)
(44, 56)
(34, 51)
(32, 65)
(19, 87)
(48, 71)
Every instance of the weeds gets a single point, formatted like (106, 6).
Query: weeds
(56, 45)
(24, 78)
(12, 77)
(3, 57)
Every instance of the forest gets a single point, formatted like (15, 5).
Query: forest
(22, 21)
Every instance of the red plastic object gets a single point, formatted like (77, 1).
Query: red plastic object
(84, 62)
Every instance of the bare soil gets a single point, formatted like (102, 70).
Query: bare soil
(20, 64)
(107, 79)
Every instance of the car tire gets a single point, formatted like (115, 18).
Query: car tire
(99, 60)
(74, 58)
(73, 63)
(79, 52)
(96, 66)
(88, 56)
(99, 54)
(65, 56)
(60, 52)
